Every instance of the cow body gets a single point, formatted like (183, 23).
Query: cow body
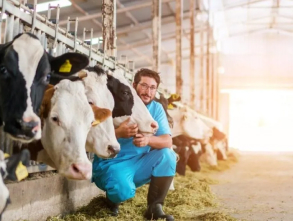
(24, 70)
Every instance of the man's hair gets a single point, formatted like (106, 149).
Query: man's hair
(144, 72)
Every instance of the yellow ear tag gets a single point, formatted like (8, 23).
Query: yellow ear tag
(6, 155)
(66, 67)
(95, 123)
(170, 106)
(21, 172)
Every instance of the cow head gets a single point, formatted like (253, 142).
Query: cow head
(101, 139)
(67, 118)
(209, 155)
(24, 73)
(128, 103)
(7, 171)
(186, 123)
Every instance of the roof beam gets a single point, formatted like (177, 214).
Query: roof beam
(121, 10)
(128, 29)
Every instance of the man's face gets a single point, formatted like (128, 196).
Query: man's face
(146, 89)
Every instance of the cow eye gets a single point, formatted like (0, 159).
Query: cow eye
(126, 93)
(55, 119)
(91, 103)
(48, 77)
(3, 71)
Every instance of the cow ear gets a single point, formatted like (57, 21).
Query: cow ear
(68, 64)
(101, 114)
(16, 169)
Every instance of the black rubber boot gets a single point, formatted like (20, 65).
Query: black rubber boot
(158, 190)
(113, 207)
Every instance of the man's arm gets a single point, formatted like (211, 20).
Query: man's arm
(156, 142)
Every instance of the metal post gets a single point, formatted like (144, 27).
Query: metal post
(156, 10)
(192, 54)
(179, 12)
(109, 27)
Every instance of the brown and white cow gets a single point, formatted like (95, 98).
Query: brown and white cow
(67, 118)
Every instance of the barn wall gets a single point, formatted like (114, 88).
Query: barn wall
(262, 60)
(35, 200)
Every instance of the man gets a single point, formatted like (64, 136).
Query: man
(137, 164)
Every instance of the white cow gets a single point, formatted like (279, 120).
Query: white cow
(67, 118)
(185, 123)
(101, 139)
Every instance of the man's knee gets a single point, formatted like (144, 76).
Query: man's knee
(166, 165)
(120, 191)
(169, 155)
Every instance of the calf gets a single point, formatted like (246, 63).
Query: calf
(7, 171)
(24, 74)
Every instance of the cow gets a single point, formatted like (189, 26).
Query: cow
(25, 69)
(101, 139)
(128, 103)
(209, 154)
(7, 171)
(189, 151)
(218, 138)
(67, 117)
(185, 123)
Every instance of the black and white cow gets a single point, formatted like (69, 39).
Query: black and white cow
(7, 171)
(189, 151)
(25, 68)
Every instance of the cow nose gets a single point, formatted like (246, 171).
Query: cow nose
(30, 127)
(154, 126)
(113, 150)
(81, 171)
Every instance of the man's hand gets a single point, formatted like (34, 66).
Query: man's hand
(140, 140)
(125, 130)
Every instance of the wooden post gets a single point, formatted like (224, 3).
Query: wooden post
(192, 55)
(202, 75)
(156, 11)
(179, 13)
(109, 27)
(208, 108)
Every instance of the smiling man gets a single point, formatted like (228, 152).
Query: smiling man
(142, 159)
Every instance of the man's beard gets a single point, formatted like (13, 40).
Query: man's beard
(148, 97)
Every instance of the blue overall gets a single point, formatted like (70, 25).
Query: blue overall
(134, 166)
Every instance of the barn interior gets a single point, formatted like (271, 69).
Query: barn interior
(228, 60)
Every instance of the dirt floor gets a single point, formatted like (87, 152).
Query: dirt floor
(259, 187)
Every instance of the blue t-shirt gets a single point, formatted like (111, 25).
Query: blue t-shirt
(128, 149)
